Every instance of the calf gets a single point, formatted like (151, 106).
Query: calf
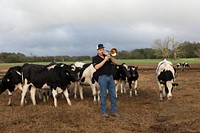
(182, 65)
(133, 79)
(57, 77)
(12, 81)
(165, 74)
(120, 75)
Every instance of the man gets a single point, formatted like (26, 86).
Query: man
(103, 64)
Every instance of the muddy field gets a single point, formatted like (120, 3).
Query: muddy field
(143, 114)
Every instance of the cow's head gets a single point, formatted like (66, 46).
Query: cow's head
(133, 71)
(122, 71)
(12, 77)
(74, 72)
(71, 72)
(125, 69)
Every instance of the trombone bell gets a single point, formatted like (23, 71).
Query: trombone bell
(113, 52)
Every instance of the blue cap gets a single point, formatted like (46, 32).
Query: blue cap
(100, 46)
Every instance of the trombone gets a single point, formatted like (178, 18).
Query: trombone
(113, 51)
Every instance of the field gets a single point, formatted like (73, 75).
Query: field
(141, 114)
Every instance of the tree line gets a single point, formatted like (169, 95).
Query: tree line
(161, 49)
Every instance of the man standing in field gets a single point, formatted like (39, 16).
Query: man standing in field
(103, 64)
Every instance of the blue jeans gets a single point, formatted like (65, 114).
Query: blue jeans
(107, 82)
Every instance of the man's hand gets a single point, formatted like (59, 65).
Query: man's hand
(107, 57)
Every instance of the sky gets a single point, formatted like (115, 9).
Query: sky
(75, 27)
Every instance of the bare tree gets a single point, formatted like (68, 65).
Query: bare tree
(162, 48)
(174, 44)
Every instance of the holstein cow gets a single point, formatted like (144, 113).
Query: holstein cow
(79, 66)
(165, 74)
(133, 79)
(120, 75)
(12, 81)
(182, 65)
(57, 77)
(86, 78)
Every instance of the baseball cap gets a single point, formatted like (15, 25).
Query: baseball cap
(100, 46)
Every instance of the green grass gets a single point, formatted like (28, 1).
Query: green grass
(129, 61)
(156, 61)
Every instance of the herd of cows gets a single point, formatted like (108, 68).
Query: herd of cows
(57, 77)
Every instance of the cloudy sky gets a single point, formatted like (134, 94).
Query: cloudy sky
(75, 27)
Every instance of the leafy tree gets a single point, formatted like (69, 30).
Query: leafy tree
(188, 49)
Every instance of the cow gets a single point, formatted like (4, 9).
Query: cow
(182, 65)
(57, 77)
(120, 75)
(79, 66)
(11, 81)
(86, 77)
(133, 79)
(166, 74)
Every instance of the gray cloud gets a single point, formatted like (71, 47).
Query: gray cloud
(75, 27)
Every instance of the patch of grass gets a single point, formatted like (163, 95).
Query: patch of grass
(156, 61)
(128, 61)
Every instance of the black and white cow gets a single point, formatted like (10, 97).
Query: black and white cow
(120, 75)
(133, 79)
(79, 66)
(182, 65)
(11, 81)
(57, 77)
(87, 78)
(165, 74)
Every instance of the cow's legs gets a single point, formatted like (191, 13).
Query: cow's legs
(131, 91)
(46, 95)
(33, 91)
(135, 88)
(24, 91)
(123, 86)
(98, 93)
(169, 86)
(39, 92)
(81, 91)
(94, 92)
(116, 86)
(10, 98)
(54, 93)
(160, 86)
(75, 89)
(67, 96)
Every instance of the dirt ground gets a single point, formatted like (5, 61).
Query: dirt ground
(141, 114)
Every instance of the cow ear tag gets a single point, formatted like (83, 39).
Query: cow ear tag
(161, 85)
(8, 80)
(67, 73)
(117, 67)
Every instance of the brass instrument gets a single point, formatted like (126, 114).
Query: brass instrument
(113, 51)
